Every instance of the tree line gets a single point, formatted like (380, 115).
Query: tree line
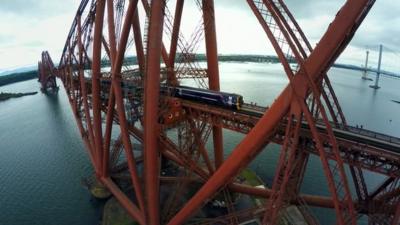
(17, 77)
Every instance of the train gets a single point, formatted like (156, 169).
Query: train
(217, 98)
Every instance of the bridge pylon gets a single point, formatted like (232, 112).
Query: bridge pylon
(47, 73)
(164, 158)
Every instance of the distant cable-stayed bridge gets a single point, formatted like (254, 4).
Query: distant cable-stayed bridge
(369, 70)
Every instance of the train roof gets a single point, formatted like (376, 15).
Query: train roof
(207, 90)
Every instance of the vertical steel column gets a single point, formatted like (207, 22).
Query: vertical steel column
(111, 30)
(174, 41)
(213, 71)
(96, 67)
(72, 85)
(116, 82)
(339, 33)
(111, 102)
(91, 143)
(138, 42)
(164, 52)
(151, 102)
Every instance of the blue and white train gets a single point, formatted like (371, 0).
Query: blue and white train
(223, 99)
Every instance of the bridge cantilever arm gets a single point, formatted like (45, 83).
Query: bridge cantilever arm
(329, 48)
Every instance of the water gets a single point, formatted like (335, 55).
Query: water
(362, 105)
(43, 159)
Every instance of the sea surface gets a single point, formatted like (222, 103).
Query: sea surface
(42, 161)
(42, 157)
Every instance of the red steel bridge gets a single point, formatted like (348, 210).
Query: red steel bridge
(119, 107)
(47, 73)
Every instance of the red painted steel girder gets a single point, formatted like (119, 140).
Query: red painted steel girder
(338, 34)
(102, 102)
(370, 157)
(47, 73)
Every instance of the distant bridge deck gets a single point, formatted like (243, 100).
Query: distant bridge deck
(370, 70)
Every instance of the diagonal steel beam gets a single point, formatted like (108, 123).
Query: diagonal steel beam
(329, 48)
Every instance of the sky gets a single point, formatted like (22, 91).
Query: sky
(30, 26)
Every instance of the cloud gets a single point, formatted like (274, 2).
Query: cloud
(25, 33)
(34, 25)
(313, 8)
(5, 37)
(36, 9)
(18, 6)
(381, 26)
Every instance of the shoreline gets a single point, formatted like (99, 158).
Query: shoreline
(4, 96)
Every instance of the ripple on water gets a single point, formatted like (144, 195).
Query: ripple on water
(43, 158)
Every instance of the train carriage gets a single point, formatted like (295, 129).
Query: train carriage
(223, 99)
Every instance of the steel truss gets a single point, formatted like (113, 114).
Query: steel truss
(47, 73)
(133, 130)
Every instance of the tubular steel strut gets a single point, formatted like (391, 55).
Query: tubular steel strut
(138, 135)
